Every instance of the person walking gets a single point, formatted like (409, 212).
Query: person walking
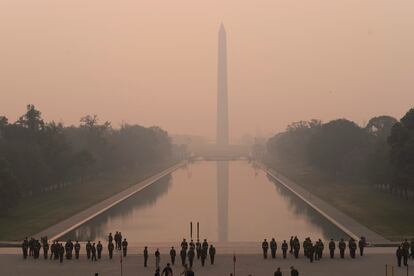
(93, 251)
(25, 247)
(183, 255)
(362, 244)
(99, 249)
(191, 255)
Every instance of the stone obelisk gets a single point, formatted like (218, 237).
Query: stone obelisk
(222, 138)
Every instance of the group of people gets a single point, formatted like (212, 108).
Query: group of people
(403, 252)
(313, 251)
(190, 252)
(58, 250)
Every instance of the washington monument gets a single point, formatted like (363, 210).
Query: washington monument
(222, 138)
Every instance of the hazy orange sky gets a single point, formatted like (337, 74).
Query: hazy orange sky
(154, 62)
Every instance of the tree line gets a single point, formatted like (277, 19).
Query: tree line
(38, 156)
(381, 153)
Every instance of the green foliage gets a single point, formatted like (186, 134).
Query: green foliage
(39, 157)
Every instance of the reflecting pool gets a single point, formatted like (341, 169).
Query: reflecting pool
(233, 201)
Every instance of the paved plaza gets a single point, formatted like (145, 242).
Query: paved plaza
(373, 264)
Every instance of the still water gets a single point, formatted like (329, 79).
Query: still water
(232, 200)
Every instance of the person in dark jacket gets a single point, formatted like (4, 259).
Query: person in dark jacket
(332, 247)
(145, 256)
(284, 249)
(173, 254)
(278, 272)
(111, 248)
(212, 253)
(265, 248)
(399, 255)
(99, 248)
(77, 250)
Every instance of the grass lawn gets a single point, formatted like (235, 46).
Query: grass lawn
(31, 215)
(386, 214)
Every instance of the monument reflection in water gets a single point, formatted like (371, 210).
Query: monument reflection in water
(232, 201)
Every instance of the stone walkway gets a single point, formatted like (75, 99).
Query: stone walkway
(338, 218)
(372, 264)
(75, 221)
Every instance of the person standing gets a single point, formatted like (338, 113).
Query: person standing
(172, 255)
(198, 248)
(212, 252)
(45, 249)
(111, 248)
(296, 247)
(88, 250)
(124, 247)
(191, 255)
(99, 249)
(352, 248)
(399, 255)
(284, 248)
(110, 238)
(157, 272)
(93, 251)
(332, 247)
(203, 256)
(77, 250)
(291, 245)
(145, 256)
(273, 248)
(405, 249)
(61, 251)
(265, 248)
(361, 245)
(157, 258)
(25, 247)
(342, 247)
(183, 255)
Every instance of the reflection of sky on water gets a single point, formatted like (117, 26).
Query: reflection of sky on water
(231, 200)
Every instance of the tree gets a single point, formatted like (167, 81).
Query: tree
(381, 127)
(401, 142)
(9, 191)
(32, 119)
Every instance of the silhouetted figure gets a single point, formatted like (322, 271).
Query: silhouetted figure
(278, 272)
(77, 250)
(93, 251)
(412, 248)
(145, 256)
(183, 255)
(203, 256)
(157, 258)
(25, 247)
(124, 247)
(167, 271)
(310, 252)
(88, 249)
(296, 247)
(361, 244)
(191, 256)
(284, 249)
(332, 247)
(265, 248)
(405, 249)
(198, 248)
(61, 251)
(99, 249)
(157, 272)
(291, 245)
(294, 271)
(399, 254)
(119, 241)
(342, 247)
(273, 248)
(212, 253)
(111, 248)
(173, 254)
(45, 250)
(110, 238)
(352, 248)
(184, 244)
